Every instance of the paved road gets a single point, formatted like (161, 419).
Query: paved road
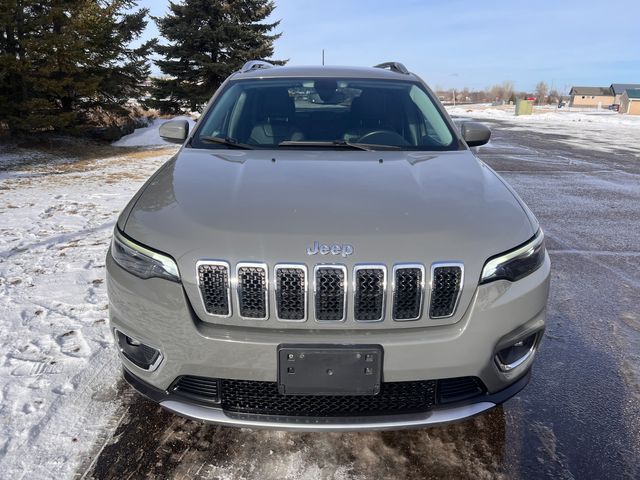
(578, 418)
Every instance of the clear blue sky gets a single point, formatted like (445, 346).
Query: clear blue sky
(455, 43)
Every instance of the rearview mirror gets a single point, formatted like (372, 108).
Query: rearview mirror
(174, 131)
(475, 133)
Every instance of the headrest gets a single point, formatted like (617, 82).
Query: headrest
(369, 104)
(278, 105)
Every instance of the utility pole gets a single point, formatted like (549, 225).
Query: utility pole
(323, 56)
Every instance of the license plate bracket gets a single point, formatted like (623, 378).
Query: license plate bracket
(329, 369)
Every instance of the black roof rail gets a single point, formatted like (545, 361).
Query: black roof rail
(394, 67)
(254, 65)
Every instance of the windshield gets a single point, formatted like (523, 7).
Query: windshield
(324, 113)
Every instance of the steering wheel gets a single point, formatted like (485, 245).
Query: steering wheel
(383, 137)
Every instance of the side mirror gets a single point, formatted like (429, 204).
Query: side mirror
(475, 133)
(174, 131)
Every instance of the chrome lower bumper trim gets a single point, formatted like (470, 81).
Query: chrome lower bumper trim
(437, 416)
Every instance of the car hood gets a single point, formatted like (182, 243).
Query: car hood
(268, 206)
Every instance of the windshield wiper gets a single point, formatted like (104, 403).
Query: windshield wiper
(337, 143)
(228, 141)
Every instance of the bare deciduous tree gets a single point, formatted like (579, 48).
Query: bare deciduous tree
(554, 96)
(507, 87)
(496, 92)
(503, 91)
(541, 92)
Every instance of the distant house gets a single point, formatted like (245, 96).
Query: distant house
(591, 97)
(630, 101)
(619, 88)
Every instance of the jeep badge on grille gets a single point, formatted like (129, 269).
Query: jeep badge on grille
(334, 249)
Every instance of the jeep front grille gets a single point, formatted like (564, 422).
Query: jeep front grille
(408, 292)
(330, 292)
(291, 292)
(369, 285)
(445, 289)
(252, 291)
(413, 297)
(213, 281)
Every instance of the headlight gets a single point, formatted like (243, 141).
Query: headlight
(517, 263)
(142, 262)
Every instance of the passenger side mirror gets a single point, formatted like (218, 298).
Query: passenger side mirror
(174, 131)
(475, 133)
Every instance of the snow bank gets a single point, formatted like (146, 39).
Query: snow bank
(58, 368)
(593, 130)
(546, 115)
(148, 136)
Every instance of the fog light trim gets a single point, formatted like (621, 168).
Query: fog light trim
(132, 341)
(508, 367)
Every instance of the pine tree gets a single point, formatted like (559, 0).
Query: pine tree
(18, 26)
(207, 41)
(67, 60)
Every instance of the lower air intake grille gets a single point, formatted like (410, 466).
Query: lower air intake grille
(264, 398)
(445, 291)
(213, 280)
(453, 390)
(252, 292)
(198, 388)
(330, 289)
(290, 293)
(407, 296)
(369, 293)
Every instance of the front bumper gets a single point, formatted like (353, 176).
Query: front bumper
(157, 313)
(435, 416)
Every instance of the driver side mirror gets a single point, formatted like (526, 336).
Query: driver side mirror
(174, 131)
(475, 133)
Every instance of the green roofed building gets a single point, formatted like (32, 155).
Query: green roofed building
(619, 88)
(630, 101)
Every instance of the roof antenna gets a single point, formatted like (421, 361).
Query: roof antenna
(323, 57)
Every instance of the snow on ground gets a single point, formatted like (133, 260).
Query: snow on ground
(150, 135)
(58, 368)
(543, 115)
(600, 130)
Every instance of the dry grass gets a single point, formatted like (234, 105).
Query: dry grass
(117, 156)
(66, 147)
(60, 155)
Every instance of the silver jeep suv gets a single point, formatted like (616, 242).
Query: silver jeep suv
(325, 252)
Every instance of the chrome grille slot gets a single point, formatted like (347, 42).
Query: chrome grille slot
(369, 286)
(330, 292)
(446, 287)
(252, 284)
(408, 292)
(291, 292)
(215, 291)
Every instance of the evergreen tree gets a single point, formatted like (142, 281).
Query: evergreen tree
(18, 20)
(207, 41)
(61, 61)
